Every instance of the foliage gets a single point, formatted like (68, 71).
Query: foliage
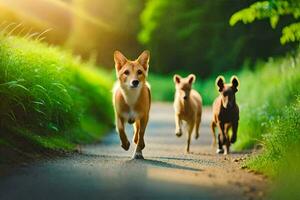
(272, 10)
(195, 36)
(281, 139)
(263, 95)
(47, 93)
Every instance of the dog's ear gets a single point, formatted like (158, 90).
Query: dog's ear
(144, 58)
(220, 82)
(176, 78)
(234, 83)
(120, 60)
(191, 78)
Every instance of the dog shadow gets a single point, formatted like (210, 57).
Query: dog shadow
(158, 163)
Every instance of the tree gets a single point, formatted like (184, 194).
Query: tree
(194, 36)
(272, 10)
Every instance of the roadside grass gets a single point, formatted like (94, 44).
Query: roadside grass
(263, 96)
(281, 141)
(269, 100)
(50, 97)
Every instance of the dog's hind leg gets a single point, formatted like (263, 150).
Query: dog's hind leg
(213, 132)
(234, 132)
(227, 141)
(141, 143)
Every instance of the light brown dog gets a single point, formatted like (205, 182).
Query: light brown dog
(188, 106)
(225, 113)
(132, 99)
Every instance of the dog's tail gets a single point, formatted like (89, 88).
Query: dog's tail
(213, 126)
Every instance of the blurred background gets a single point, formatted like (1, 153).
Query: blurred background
(182, 35)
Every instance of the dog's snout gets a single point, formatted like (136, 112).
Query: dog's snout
(135, 83)
(185, 97)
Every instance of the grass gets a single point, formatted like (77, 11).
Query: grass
(49, 96)
(269, 100)
(264, 95)
(280, 141)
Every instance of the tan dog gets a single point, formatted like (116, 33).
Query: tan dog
(188, 106)
(132, 98)
(225, 113)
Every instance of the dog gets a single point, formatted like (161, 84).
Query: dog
(225, 113)
(187, 106)
(132, 99)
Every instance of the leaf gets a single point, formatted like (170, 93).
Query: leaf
(274, 21)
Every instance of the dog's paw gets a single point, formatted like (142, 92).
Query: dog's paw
(126, 145)
(142, 145)
(178, 134)
(138, 156)
(197, 136)
(220, 151)
(226, 151)
(232, 140)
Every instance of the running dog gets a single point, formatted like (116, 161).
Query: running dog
(225, 113)
(187, 106)
(132, 99)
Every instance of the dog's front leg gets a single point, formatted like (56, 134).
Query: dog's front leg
(178, 130)
(190, 130)
(121, 129)
(141, 143)
(137, 127)
(221, 137)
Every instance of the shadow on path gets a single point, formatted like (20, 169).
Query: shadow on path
(158, 163)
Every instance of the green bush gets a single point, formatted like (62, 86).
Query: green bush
(263, 95)
(280, 141)
(47, 93)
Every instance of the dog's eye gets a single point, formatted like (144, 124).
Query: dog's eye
(139, 72)
(126, 72)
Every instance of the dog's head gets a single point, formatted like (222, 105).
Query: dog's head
(227, 91)
(132, 74)
(184, 85)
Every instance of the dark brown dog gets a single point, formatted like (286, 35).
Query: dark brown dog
(225, 113)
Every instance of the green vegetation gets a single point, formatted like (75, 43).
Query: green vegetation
(280, 141)
(263, 95)
(269, 99)
(287, 182)
(195, 36)
(273, 10)
(50, 98)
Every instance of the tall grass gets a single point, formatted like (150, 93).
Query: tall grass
(263, 96)
(269, 99)
(47, 93)
(280, 141)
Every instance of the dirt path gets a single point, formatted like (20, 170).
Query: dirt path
(105, 171)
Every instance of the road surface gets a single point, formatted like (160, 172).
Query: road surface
(106, 171)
